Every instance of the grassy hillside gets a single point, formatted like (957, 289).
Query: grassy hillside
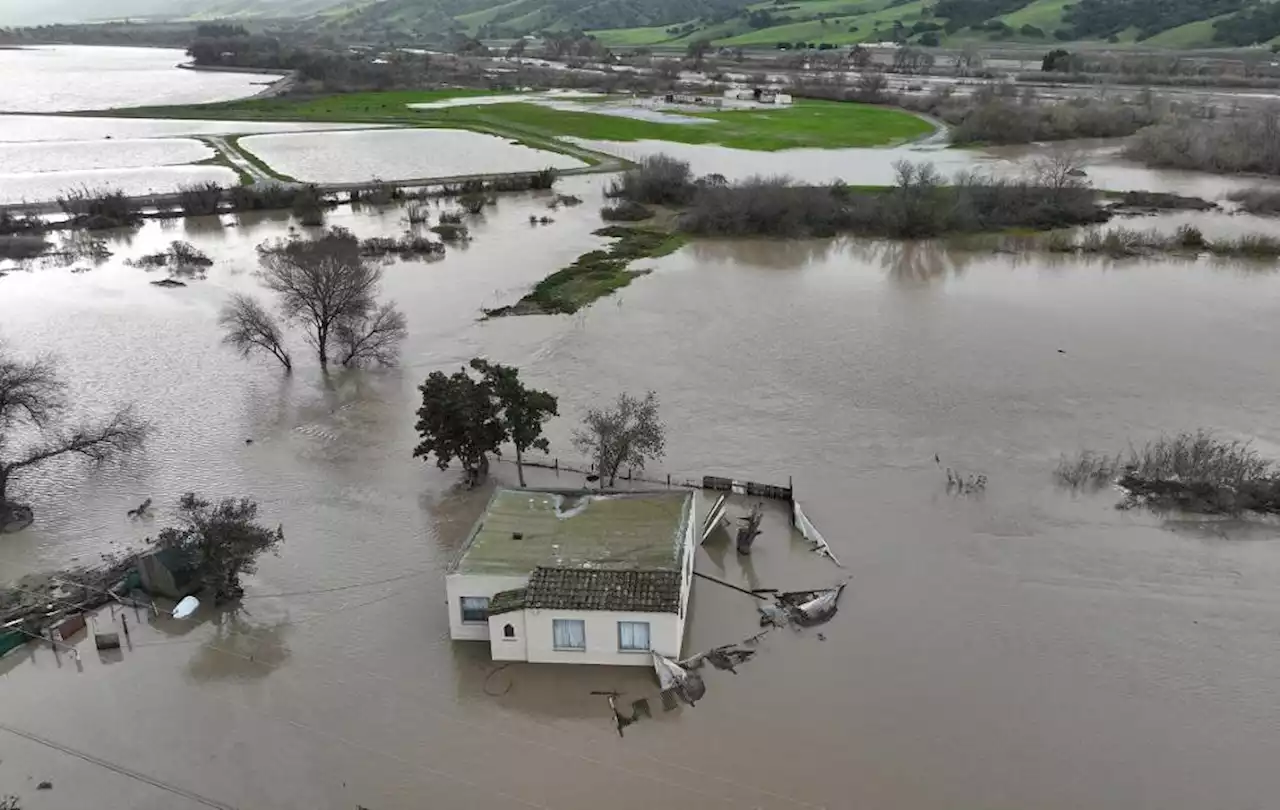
(746, 23)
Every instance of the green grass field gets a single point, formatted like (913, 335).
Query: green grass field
(837, 31)
(806, 124)
(1192, 35)
(1043, 14)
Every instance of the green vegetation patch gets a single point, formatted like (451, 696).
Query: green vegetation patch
(806, 124)
(595, 274)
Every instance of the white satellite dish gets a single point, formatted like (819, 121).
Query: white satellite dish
(186, 607)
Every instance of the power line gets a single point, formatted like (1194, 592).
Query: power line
(120, 769)
(582, 757)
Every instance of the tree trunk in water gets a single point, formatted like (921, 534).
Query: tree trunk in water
(14, 517)
(520, 466)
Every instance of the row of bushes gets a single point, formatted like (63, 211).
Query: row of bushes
(1006, 115)
(1121, 242)
(919, 205)
(1247, 142)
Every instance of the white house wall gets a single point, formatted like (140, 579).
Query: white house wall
(502, 648)
(457, 586)
(601, 636)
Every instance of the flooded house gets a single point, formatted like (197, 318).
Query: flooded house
(576, 577)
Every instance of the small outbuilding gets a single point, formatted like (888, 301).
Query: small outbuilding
(168, 572)
(576, 577)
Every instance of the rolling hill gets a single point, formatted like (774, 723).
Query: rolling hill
(745, 23)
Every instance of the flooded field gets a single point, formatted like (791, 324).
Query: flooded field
(47, 185)
(1024, 648)
(47, 128)
(61, 156)
(401, 154)
(81, 77)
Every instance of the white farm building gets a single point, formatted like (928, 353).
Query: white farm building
(576, 577)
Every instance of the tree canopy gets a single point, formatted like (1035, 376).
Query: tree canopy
(467, 418)
(630, 433)
(222, 540)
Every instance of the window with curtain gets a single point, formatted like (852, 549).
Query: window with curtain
(633, 636)
(569, 634)
(475, 608)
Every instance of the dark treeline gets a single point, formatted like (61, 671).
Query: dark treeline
(1248, 142)
(919, 205)
(1099, 19)
(173, 35)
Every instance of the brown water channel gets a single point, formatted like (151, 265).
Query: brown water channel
(1020, 649)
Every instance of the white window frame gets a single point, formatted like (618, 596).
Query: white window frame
(648, 635)
(582, 625)
(462, 610)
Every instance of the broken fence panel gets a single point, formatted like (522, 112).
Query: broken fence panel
(714, 517)
(811, 533)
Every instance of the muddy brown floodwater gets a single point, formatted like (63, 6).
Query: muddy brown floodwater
(1019, 649)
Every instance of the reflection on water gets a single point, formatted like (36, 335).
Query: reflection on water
(982, 644)
(239, 648)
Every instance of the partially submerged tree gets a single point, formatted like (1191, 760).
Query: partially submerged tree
(373, 339)
(34, 428)
(459, 419)
(523, 410)
(631, 433)
(221, 540)
(250, 327)
(331, 291)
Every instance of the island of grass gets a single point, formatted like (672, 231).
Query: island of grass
(808, 123)
(594, 275)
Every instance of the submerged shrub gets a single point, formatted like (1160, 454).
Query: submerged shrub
(625, 211)
(657, 180)
(102, 208)
(202, 199)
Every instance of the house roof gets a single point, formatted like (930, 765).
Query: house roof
(524, 529)
(602, 589)
(507, 601)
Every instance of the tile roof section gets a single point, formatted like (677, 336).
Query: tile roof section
(652, 591)
(507, 601)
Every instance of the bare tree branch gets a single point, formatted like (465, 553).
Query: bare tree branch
(29, 391)
(250, 326)
(373, 339)
(630, 433)
(32, 400)
(96, 441)
(321, 283)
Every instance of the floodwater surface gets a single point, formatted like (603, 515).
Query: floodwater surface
(55, 78)
(62, 156)
(400, 154)
(45, 128)
(48, 185)
(1022, 648)
(1101, 159)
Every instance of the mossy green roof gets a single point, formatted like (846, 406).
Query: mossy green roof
(638, 531)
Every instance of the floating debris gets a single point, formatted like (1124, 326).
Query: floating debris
(807, 608)
(811, 533)
(748, 533)
(686, 685)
